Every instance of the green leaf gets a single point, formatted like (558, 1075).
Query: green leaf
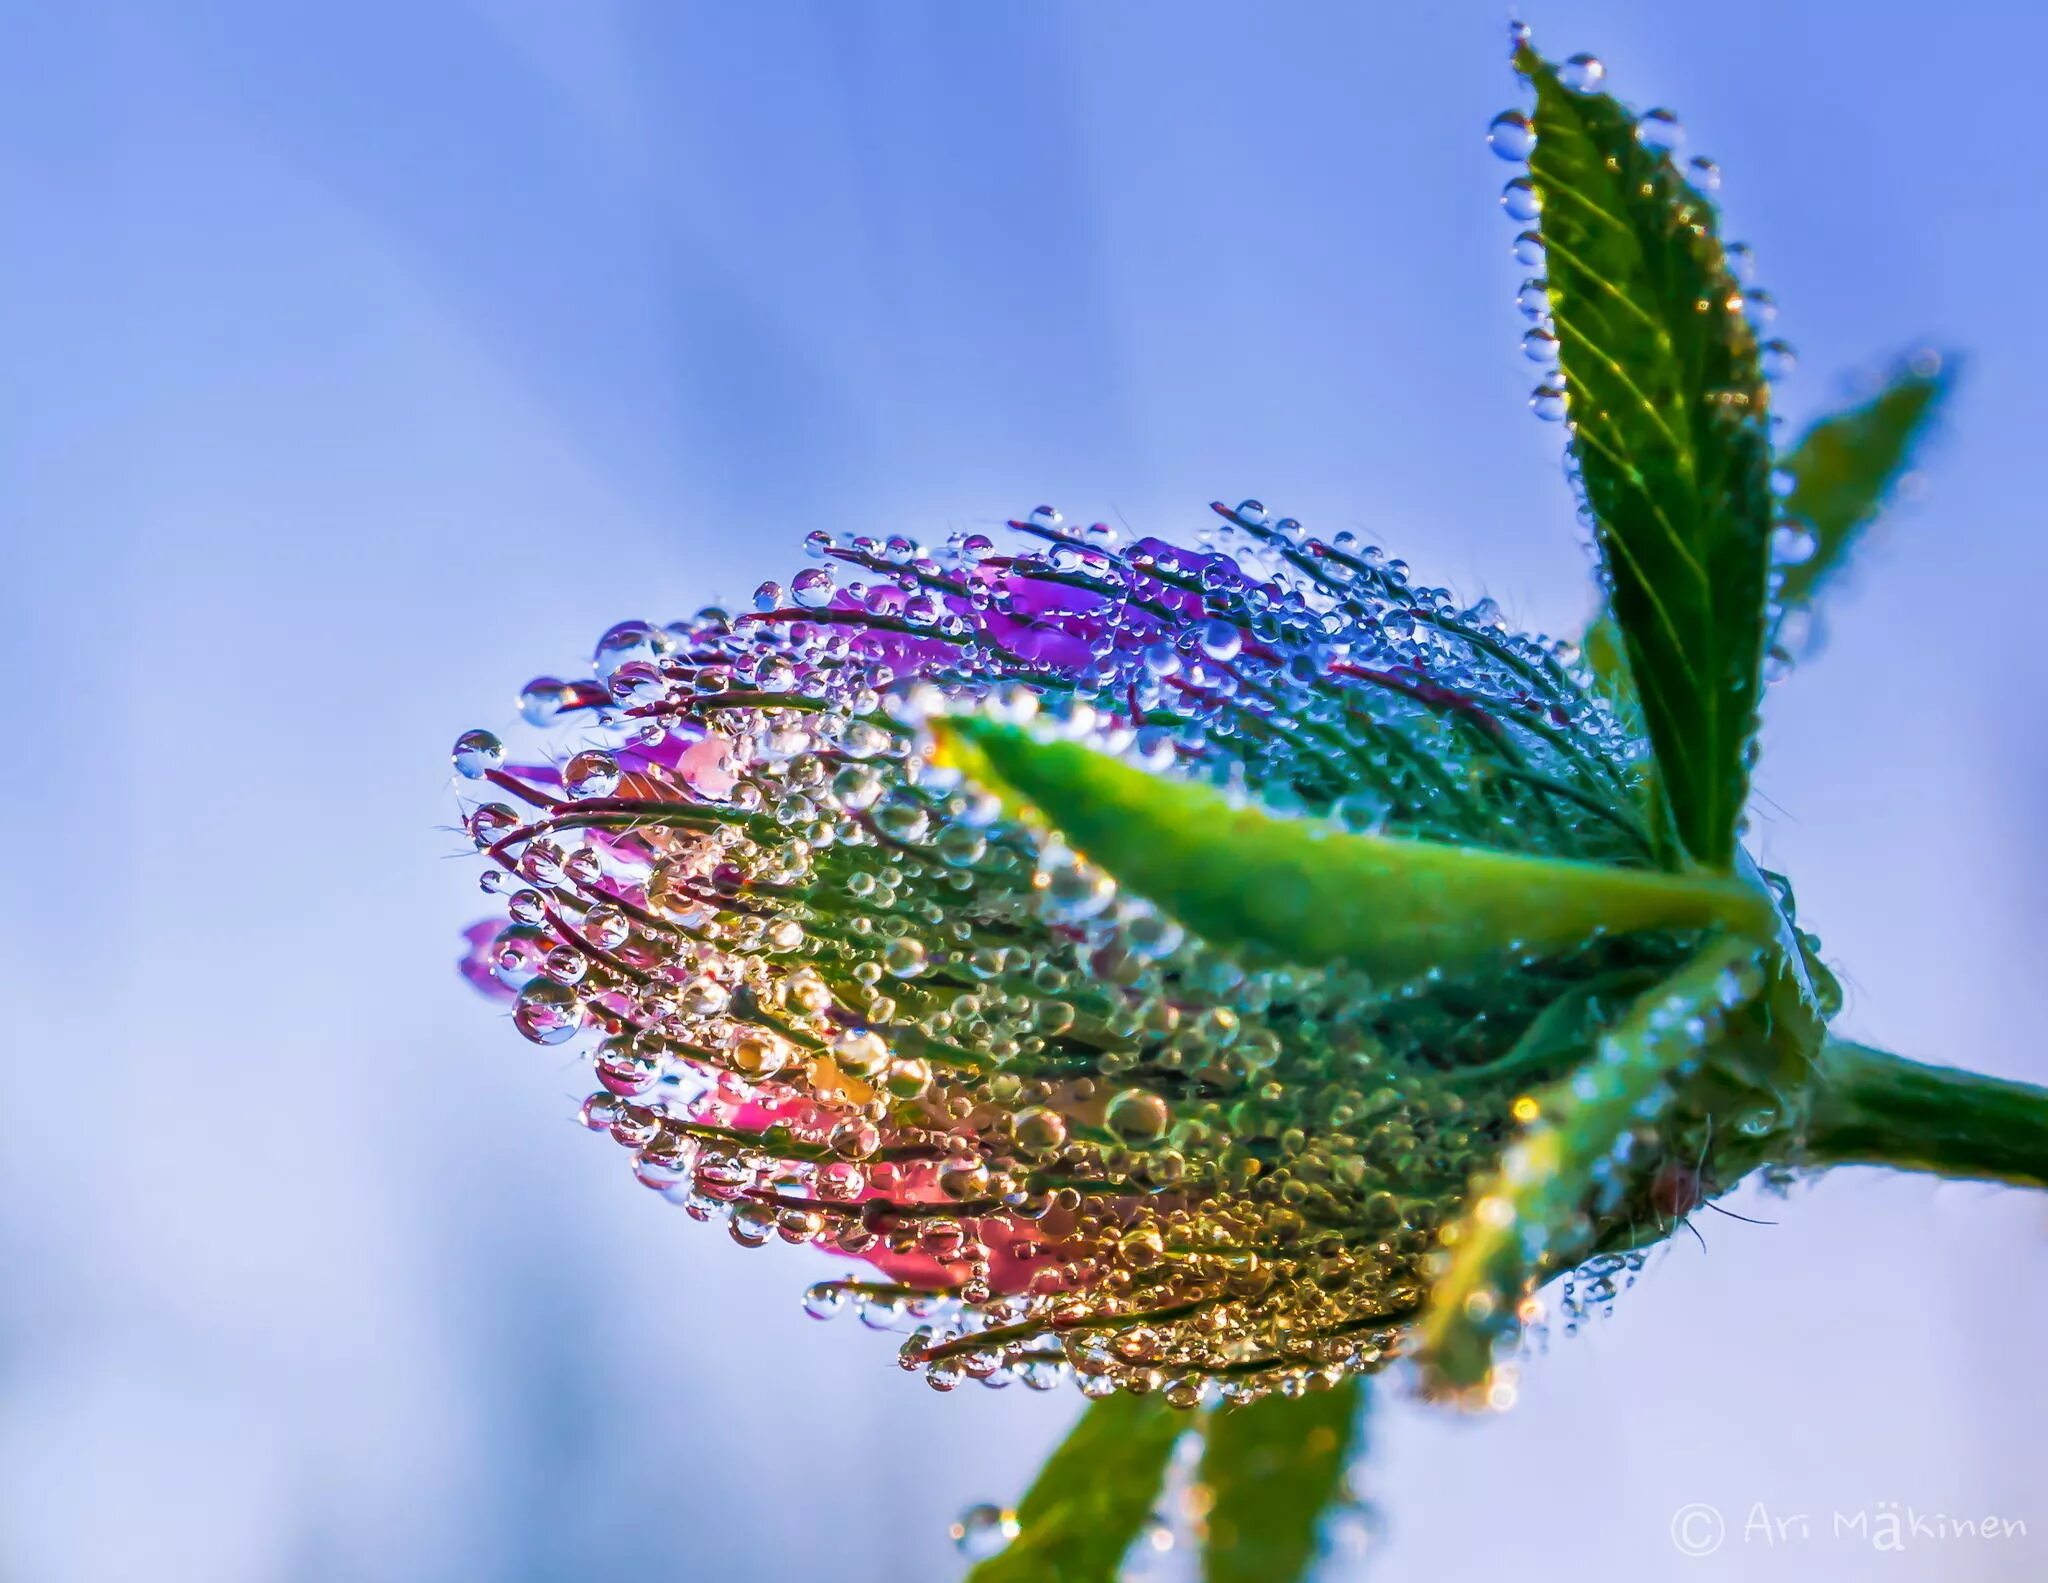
(1667, 408)
(1092, 1496)
(1273, 1469)
(1530, 1220)
(1846, 464)
(1305, 891)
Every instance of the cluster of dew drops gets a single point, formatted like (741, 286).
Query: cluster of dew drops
(832, 996)
(1512, 137)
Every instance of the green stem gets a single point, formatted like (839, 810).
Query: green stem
(1870, 1108)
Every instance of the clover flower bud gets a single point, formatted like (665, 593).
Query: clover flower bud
(836, 993)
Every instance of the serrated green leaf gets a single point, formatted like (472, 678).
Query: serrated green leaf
(1273, 1469)
(1529, 1219)
(1305, 891)
(1667, 407)
(1845, 465)
(1092, 1496)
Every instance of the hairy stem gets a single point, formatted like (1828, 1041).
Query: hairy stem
(1870, 1108)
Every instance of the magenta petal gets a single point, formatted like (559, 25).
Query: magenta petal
(476, 962)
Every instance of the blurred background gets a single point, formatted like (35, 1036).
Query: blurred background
(362, 361)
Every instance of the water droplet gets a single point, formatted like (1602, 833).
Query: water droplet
(1583, 73)
(624, 642)
(825, 1300)
(1512, 136)
(1534, 297)
(758, 1056)
(1539, 345)
(1705, 174)
(812, 587)
(1549, 402)
(1221, 640)
(1660, 130)
(548, 1013)
(1520, 200)
(544, 700)
(591, 775)
(1778, 359)
(1793, 544)
(476, 754)
(903, 958)
(606, 927)
(983, 1531)
(1137, 1115)
(1045, 517)
(1038, 1129)
(1528, 250)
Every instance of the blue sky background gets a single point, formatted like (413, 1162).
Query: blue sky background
(359, 361)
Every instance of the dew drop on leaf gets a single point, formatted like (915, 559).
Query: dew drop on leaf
(983, 1531)
(1583, 73)
(1511, 136)
(1792, 544)
(1660, 130)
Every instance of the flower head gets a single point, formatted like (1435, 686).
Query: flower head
(837, 994)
